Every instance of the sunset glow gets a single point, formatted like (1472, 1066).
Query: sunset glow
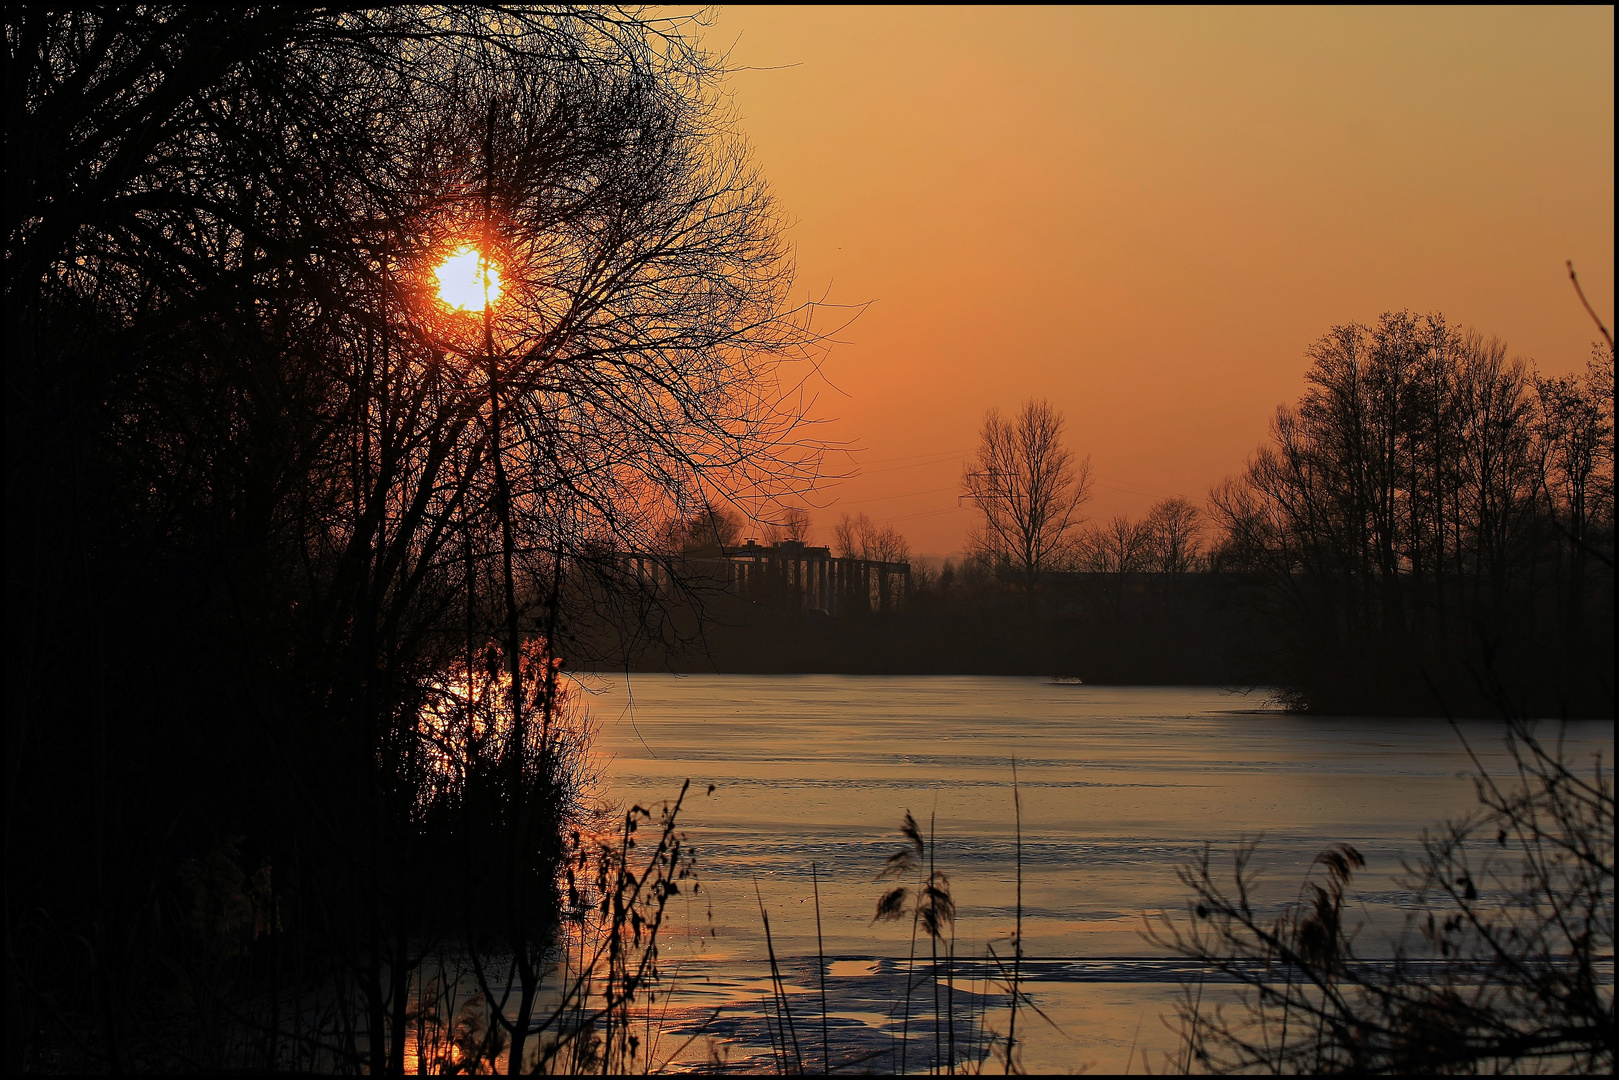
(1100, 168)
(460, 280)
(1041, 504)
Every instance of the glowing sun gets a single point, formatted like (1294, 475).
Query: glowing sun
(460, 280)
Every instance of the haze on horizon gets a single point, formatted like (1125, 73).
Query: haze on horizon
(1146, 215)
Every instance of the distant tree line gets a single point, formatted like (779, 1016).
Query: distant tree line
(1433, 518)
(715, 527)
(1430, 525)
(1030, 492)
(288, 541)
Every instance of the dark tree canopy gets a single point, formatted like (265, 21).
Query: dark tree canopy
(291, 546)
(1431, 510)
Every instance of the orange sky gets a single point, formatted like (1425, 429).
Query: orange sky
(1146, 215)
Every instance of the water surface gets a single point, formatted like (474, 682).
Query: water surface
(1118, 786)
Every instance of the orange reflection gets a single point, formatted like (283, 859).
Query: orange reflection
(461, 280)
(464, 723)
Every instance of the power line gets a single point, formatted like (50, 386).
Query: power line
(926, 514)
(1126, 486)
(910, 457)
(885, 498)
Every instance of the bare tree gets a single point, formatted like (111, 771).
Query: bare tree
(1174, 531)
(858, 537)
(1027, 488)
(1502, 971)
(1426, 500)
(793, 524)
(1121, 546)
(711, 526)
(227, 364)
(846, 535)
(1574, 430)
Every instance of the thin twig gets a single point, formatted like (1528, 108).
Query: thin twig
(1594, 317)
(820, 960)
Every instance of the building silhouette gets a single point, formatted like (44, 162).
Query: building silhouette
(789, 575)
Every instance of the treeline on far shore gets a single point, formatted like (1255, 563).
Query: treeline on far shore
(1430, 528)
(1208, 627)
(1145, 628)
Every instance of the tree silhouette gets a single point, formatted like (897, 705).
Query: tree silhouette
(254, 517)
(1027, 489)
(1425, 512)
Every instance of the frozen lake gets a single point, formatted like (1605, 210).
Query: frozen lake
(1119, 786)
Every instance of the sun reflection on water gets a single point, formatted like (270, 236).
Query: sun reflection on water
(464, 727)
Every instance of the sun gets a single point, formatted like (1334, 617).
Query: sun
(460, 280)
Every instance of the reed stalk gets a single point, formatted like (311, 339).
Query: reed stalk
(820, 962)
(776, 980)
(910, 982)
(1017, 937)
(950, 1000)
(933, 941)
